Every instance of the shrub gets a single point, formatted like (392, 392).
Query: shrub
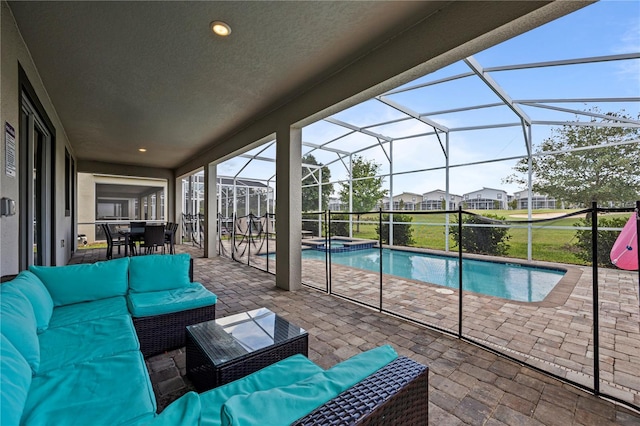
(310, 223)
(339, 225)
(489, 240)
(606, 239)
(402, 232)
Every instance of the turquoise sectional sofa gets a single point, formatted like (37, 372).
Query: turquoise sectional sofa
(71, 356)
(70, 351)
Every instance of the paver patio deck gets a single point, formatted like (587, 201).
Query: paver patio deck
(555, 335)
(468, 385)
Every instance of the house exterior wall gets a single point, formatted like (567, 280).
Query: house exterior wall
(433, 200)
(485, 199)
(538, 201)
(335, 204)
(86, 206)
(410, 201)
(14, 53)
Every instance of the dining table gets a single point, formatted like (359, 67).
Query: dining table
(136, 233)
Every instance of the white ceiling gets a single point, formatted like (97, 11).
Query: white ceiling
(125, 75)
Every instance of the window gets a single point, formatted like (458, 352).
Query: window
(499, 196)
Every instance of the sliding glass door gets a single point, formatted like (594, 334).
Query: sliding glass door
(35, 188)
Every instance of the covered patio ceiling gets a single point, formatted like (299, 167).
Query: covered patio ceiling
(130, 75)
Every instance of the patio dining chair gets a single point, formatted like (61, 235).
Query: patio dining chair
(170, 235)
(153, 238)
(111, 241)
(137, 239)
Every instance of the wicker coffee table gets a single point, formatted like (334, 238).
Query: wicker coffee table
(226, 349)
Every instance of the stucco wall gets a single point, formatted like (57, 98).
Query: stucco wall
(13, 52)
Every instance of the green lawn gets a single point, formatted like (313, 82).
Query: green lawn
(548, 244)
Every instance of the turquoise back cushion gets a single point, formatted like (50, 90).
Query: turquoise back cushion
(159, 272)
(286, 404)
(15, 379)
(30, 285)
(18, 324)
(84, 283)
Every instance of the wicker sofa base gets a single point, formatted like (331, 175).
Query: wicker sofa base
(394, 395)
(160, 333)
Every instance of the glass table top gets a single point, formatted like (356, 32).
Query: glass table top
(239, 335)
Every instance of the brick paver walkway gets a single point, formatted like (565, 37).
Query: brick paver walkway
(468, 385)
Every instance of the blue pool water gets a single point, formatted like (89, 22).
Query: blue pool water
(505, 280)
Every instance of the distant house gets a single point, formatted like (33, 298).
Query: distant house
(336, 204)
(485, 199)
(404, 201)
(538, 201)
(433, 200)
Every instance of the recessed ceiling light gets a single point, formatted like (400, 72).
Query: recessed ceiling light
(220, 28)
(142, 149)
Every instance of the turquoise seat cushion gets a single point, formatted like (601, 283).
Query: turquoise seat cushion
(15, 379)
(86, 341)
(169, 301)
(159, 272)
(105, 391)
(185, 411)
(18, 324)
(286, 404)
(31, 286)
(83, 283)
(88, 311)
(283, 373)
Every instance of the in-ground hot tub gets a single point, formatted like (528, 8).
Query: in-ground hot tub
(339, 244)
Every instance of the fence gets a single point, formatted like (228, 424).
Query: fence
(193, 229)
(542, 292)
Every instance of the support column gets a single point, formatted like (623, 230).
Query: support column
(446, 193)
(210, 211)
(178, 207)
(158, 212)
(145, 208)
(288, 208)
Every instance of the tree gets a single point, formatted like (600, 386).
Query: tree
(366, 192)
(605, 174)
(311, 176)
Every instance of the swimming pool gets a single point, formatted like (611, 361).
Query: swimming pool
(505, 280)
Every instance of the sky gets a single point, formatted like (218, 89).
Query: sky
(601, 29)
